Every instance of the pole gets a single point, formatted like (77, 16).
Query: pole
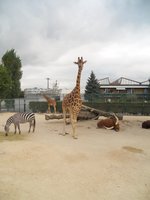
(48, 82)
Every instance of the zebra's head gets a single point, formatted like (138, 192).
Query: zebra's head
(6, 128)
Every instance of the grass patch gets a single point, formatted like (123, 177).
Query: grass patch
(12, 137)
(133, 149)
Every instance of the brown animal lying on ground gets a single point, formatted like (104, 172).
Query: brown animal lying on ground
(146, 124)
(109, 123)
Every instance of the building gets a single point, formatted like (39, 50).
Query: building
(124, 86)
(36, 93)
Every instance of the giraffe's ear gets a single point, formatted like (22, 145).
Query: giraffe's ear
(85, 61)
(75, 62)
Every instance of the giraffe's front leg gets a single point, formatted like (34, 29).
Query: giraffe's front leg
(49, 109)
(54, 109)
(73, 123)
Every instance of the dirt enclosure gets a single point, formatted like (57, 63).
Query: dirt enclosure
(100, 165)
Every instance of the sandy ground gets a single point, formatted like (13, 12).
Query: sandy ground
(100, 165)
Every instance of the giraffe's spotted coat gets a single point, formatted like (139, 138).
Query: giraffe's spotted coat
(72, 102)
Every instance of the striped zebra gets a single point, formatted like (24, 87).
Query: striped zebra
(18, 118)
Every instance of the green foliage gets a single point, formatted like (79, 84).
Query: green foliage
(127, 107)
(42, 106)
(13, 65)
(10, 103)
(38, 106)
(92, 89)
(21, 94)
(149, 86)
(5, 82)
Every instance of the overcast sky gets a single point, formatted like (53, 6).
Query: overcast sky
(49, 35)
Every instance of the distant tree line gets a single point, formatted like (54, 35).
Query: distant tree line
(10, 75)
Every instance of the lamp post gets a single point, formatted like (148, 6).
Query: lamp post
(48, 79)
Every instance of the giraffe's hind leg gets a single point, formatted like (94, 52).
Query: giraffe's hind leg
(64, 124)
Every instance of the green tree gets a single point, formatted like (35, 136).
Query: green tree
(92, 89)
(12, 63)
(5, 83)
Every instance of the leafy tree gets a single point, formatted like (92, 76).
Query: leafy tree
(5, 82)
(149, 86)
(92, 89)
(13, 65)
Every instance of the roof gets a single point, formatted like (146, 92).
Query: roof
(122, 81)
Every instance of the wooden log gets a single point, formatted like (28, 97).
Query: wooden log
(55, 116)
(85, 114)
(101, 112)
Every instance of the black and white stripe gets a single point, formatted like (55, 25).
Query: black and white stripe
(18, 118)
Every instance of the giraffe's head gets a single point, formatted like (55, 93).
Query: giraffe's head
(80, 62)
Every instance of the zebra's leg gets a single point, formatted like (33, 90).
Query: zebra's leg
(15, 126)
(30, 124)
(19, 128)
(33, 124)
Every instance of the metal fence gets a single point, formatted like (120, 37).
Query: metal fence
(122, 98)
(14, 105)
(124, 103)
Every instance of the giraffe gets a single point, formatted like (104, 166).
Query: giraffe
(72, 102)
(51, 102)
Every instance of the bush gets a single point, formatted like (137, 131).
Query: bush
(10, 104)
(130, 108)
(38, 106)
(42, 107)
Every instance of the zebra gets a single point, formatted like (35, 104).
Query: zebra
(18, 118)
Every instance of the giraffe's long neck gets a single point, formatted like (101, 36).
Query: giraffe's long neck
(46, 97)
(77, 87)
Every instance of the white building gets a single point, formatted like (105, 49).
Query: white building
(36, 93)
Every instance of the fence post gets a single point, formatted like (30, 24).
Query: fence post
(24, 105)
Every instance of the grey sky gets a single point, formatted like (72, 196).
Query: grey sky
(112, 35)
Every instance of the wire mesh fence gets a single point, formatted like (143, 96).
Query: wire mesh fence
(13, 105)
(120, 103)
